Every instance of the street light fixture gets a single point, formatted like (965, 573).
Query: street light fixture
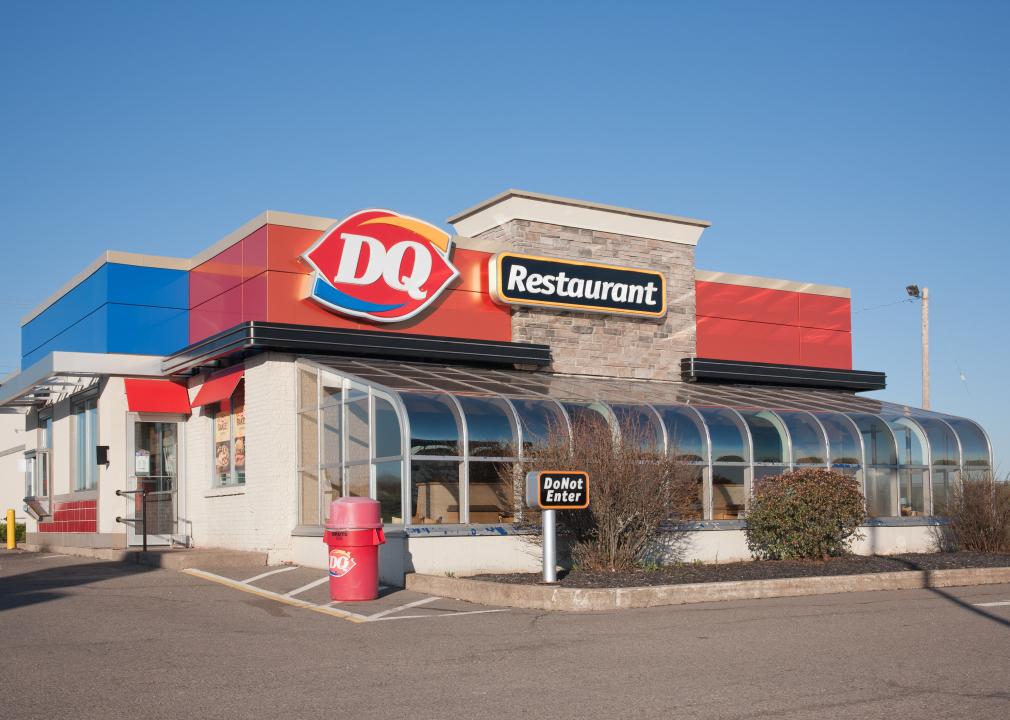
(923, 294)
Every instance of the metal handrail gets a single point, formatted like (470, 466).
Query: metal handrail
(143, 510)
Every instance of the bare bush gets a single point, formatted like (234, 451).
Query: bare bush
(634, 489)
(977, 516)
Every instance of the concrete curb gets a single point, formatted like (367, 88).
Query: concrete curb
(540, 597)
(168, 559)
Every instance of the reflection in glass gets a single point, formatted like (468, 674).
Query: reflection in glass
(842, 437)
(728, 442)
(943, 485)
(727, 492)
(878, 442)
(879, 484)
(807, 438)
(768, 436)
(910, 492)
(434, 429)
(973, 443)
(539, 418)
(356, 414)
(641, 423)
(942, 443)
(331, 435)
(763, 471)
(492, 497)
(434, 492)
(686, 436)
(910, 441)
(387, 430)
(387, 490)
(490, 427)
(359, 481)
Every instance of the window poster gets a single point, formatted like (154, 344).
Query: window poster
(222, 445)
(238, 413)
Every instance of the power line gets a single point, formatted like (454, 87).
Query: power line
(878, 307)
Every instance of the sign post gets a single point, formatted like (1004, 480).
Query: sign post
(549, 491)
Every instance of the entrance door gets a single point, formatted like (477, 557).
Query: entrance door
(155, 468)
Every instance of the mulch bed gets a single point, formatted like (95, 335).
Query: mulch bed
(762, 570)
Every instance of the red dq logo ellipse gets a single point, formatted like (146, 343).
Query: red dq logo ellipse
(380, 265)
(341, 562)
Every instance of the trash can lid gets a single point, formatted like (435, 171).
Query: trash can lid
(354, 512)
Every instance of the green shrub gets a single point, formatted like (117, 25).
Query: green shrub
(19, 532)
(812, 513)
(978, 516)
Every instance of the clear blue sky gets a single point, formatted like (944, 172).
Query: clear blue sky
(861, 144)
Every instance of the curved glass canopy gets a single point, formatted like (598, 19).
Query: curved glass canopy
(461, 429)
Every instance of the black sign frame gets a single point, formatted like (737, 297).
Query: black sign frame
(501, 264)
(541, 492)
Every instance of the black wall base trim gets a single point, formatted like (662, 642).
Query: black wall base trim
(255, 336)
(752, 373)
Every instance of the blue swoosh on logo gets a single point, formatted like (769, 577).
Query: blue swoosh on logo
(327, 293)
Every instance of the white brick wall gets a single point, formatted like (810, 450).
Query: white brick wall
(261, 514)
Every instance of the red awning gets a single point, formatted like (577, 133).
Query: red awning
(219, 386)
(156, 396)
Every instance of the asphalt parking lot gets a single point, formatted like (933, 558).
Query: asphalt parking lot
(88, 639)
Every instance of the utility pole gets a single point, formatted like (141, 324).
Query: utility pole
(925, 348)
(923, 295)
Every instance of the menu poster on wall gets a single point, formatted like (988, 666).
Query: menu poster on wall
(239, 415)
(222, 444)
(142, 462)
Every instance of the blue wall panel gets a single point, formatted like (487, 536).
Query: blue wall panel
(80, 302)
(90, 334)
(118, 308)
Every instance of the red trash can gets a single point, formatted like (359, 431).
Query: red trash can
(353, 534)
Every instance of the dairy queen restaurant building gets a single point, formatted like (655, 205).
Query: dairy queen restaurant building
(300, 359)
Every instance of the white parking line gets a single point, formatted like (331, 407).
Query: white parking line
(409, 605)
(308, 586)
(50, 557)
(269, 573)
(993, 604)
(417, 617)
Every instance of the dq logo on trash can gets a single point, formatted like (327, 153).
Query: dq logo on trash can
(341, 562)
(380, 265)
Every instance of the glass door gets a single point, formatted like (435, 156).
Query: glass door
(154, 468)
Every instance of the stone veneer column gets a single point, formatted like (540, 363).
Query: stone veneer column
(599, 344)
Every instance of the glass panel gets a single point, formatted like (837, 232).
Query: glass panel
(728, 442)
(490, 427)
(332, 437)
(30, 477)
(356, 417)
(539, 419)
(910, 495)
(763, 471)
(879, 484)
(434, 429)
(973, 444)
(727, 492)
(642, 423)
(359, 481)
(910, 441)
(942, 443)
(333, 487)
(387, 487)
(47, 433)
(686, 436)
(768, 436)
(43, 478)
(308, 444)
(491, 497)
(594, 415)
(388, 437)
(307, 386)
(308, 494)
(943, 485)
(434, 492)
(878, 442)
(807, 438)
(845, 448)
(331, 393)
(238, 433)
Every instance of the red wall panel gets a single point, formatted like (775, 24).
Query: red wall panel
(737, 322)
(213, 277)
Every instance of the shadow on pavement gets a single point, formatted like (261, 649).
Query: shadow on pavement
(950, 597)
(38, 586)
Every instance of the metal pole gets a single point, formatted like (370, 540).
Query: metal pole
(143, 515)
(925, 348)
(550, 546)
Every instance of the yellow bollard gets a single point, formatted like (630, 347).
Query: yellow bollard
(12, 542)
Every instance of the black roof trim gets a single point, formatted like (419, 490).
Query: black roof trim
(755, 373)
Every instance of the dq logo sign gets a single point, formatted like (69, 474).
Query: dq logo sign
(380, 265)
(341, 562)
